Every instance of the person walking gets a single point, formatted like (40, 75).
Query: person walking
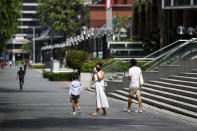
(101, 98)
(74, 92)
(21, 75)
(135, 74)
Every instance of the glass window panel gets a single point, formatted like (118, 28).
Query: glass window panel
(181, 2)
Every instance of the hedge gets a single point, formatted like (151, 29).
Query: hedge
(62, 76)
(20, 62)
(36, 67)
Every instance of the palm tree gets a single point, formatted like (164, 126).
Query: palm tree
(119, 23)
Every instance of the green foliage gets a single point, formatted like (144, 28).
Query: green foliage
(20, 62)
(75, 58)
(89, 65)
(120, 23)
(140, 4)
(63, 76)
(36, 66)
(152, 39)
(27, 48)
(9, 12)
(61, 15)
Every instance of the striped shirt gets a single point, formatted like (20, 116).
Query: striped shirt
(75, 88)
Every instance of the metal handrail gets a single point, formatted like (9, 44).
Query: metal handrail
(171, 52)
(164, 48)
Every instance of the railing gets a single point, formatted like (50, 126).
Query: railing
(161, 53)
(174, 56)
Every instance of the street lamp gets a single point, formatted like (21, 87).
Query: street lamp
(190, 31)
(84, 32)
(181, 30)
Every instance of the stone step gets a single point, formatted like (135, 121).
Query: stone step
(90, 89)
(172, 88)
(163, 99)
(194, 70)
(159, 104)
(192, 79)
(187, 74)
(191, 86)
(173, 96)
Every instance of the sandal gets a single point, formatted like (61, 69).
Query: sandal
(95, 114)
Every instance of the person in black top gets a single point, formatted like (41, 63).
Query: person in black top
(21, 75)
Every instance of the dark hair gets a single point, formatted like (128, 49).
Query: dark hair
(75, 77)
(133, 62)
(99, 64)
(21, 68)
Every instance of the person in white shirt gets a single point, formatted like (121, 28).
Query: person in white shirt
(134, 87)
(74, 92)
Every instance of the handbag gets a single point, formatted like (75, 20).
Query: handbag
(141, 80)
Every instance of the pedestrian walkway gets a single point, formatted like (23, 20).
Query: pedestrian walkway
(44, 105)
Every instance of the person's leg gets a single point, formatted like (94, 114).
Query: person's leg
(139, 102)
(104, 112)
(73, 105)
(129, 102)
(96, 113)
(20, 83)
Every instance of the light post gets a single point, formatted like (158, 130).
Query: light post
(190, 31)
(34, 48)
(181, 30)
(84, 32)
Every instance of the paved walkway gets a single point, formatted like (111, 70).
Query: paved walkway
(45, 106)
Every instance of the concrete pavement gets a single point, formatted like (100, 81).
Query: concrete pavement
(44, 105)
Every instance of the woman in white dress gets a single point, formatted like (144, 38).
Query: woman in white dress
(101, 98)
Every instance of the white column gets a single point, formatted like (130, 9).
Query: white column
(34, 45)
(109, 18)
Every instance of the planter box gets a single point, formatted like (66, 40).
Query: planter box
(86, 80)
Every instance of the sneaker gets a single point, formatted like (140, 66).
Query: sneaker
(74, 113)
(127, 110)
(138, 111)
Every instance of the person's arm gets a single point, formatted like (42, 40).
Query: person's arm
(130, 76)
(70, 92)
(101, 76)
(94, 72)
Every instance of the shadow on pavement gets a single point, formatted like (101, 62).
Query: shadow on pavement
(51, 122)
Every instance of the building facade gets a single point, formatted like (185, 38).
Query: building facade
(160, 18)
(28, 29)
(98, 13)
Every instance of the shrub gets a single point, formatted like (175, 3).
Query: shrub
(75, 58)
(46, 74)
(89, 65)
(36, 67)
(62, 76)
(20, 62)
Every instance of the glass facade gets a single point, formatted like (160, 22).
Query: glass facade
(181, 2)
(167, 2)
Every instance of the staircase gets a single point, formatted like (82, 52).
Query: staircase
(176, 93)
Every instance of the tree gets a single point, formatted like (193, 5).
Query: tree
(27, 48)
(63, 16)
(75, 58)
(9, 12)
(120, 23)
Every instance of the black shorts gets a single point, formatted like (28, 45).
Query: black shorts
(75, 98)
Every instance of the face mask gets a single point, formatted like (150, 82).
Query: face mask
(98, 69)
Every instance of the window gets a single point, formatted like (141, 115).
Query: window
(181, 2)
(167, 2)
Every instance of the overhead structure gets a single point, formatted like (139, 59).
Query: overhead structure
(179, 4)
